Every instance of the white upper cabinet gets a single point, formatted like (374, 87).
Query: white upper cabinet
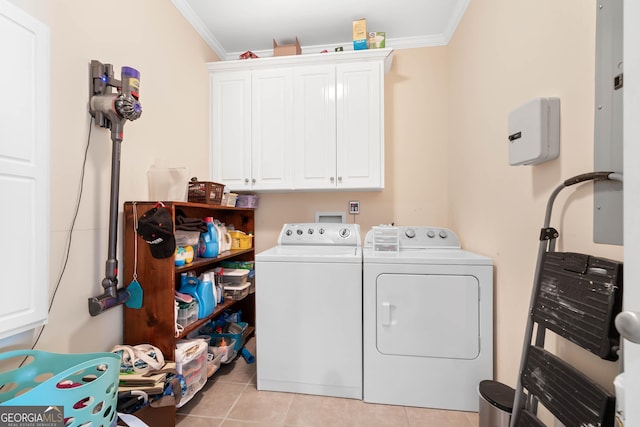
(252, 129)
(309, 122)
(230, 128)
(315, 127)
(272, 129)
(339, 125)
(360, 126)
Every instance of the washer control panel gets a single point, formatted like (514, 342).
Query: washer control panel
(320, 234)
(420, 237)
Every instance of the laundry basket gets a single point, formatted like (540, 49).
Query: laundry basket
(86, 385)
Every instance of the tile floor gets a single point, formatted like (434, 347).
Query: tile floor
(230, 399)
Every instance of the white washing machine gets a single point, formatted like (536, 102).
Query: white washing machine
(309, 311)
(427, 321)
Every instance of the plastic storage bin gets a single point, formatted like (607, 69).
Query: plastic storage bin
(240, 240)
(234, 276)
(213, 362)
(238, 337)
(247, 201)
(168, 183)
(192, 365)
(85, 384)
(187, 313)
(187, 238)
(229, 199)
(252, 279)
(224, 348)
(237, 292)
(386, 238)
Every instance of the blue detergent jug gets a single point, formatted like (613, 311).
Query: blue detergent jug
(205, 292)
(208, 246)
(189, 286)
(201, 291)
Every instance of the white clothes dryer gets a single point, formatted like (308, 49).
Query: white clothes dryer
(427, 321)
(309, 311)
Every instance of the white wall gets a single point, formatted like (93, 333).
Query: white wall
(446, 153)
(153, 37)
(445, 129)
(503, 54)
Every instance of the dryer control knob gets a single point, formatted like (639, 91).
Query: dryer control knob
(299, 232)
(344, 232)
(431, 234)
(288, 232)
(310, 231)
(321, 231)
(410, 233)
(443, 234)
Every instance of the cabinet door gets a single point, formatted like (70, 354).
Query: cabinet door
(231, 129)
(315, 127)
(360, 125)
(24, 171)
(272, 129)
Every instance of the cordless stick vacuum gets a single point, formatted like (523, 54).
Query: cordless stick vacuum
(112, 110)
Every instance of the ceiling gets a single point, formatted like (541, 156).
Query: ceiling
(233, 27)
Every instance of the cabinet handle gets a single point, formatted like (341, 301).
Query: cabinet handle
(386, 314)
(339, 179)
(332, 179)
(253, 181)
(246, 180)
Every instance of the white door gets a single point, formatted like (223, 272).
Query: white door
(360, 125)
(230, 131)
(272, 129)
(315, 127)
(24, 171)
(632, 202)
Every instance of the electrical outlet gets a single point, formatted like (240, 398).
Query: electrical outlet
(354, 207)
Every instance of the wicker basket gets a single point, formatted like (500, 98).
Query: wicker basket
(206, 192)
(86, 385)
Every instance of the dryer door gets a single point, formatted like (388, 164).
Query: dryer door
(428, 315)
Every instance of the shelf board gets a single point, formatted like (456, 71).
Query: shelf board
(201, 262)
(193, 205)
(249, 332)
(201, 322)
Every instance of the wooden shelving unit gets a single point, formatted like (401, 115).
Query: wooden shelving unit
(154, 323)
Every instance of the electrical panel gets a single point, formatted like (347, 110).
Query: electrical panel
(608, 137)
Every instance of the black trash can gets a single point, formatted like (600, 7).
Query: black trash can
(496, 403)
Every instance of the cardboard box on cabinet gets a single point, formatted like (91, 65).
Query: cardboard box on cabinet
(360, 34)
(286, 49)
(376, 40)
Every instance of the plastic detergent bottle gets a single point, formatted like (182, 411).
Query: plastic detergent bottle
(189, 285)
(224, 238)
(224, 349)
(206, 295)
(220, 285)
(208, 247)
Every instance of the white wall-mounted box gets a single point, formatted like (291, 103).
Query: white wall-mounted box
(534, 132)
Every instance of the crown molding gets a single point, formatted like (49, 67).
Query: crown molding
(434, 40)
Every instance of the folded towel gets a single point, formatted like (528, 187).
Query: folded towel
(185, 223)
